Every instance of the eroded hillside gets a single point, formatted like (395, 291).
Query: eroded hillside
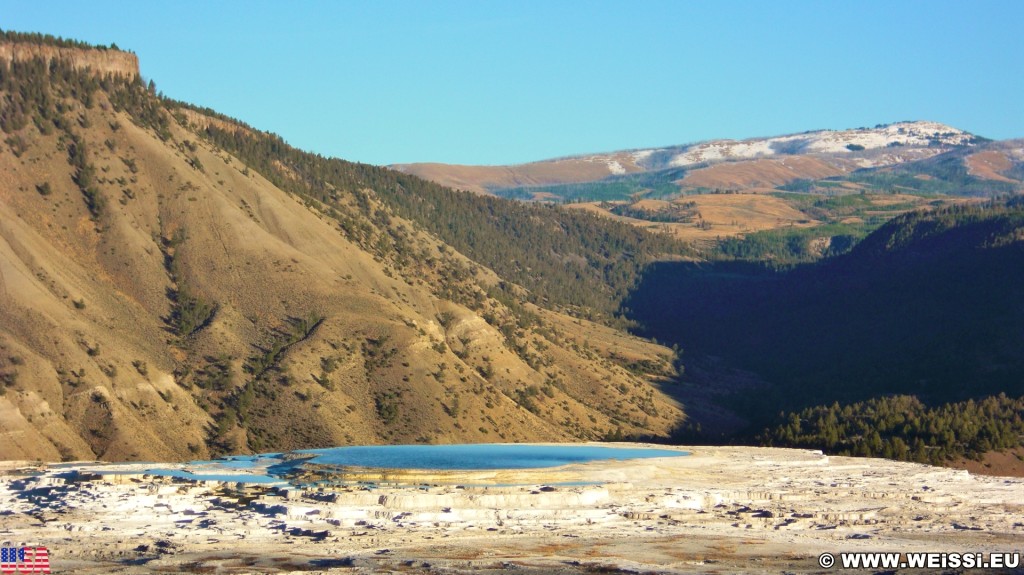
(161, 299)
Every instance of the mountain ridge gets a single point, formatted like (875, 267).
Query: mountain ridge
(841, 144)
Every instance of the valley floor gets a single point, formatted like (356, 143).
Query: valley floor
(721, 509)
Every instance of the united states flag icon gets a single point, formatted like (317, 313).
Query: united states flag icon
(24, 560)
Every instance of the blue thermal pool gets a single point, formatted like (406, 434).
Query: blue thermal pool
(221, 477)
(477, 456)
(275, 469)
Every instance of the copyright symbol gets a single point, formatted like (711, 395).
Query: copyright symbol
(826, 560)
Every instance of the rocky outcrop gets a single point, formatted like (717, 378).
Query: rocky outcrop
(107, 61)
(200, 121)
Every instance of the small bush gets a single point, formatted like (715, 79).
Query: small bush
(141, 367)
(18, 144)
(387, 407)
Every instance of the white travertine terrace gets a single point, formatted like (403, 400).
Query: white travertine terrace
(737, 509)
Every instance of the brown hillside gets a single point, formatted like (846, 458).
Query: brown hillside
(989, 164)
(1009, 463)
(481, 179)
(766, 173)
(714, 216)
(297, 335)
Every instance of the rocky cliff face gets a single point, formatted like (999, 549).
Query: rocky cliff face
(99, 61)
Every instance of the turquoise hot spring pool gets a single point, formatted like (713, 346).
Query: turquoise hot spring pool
(277, 468)
(477, 456)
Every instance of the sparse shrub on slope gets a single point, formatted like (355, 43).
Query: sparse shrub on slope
(201, 343)
(563, 257)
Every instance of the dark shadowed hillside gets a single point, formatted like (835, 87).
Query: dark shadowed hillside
(930, 305)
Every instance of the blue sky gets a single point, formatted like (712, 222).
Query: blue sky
(497, 82)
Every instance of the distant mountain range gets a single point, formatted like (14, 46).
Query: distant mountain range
(755, 164)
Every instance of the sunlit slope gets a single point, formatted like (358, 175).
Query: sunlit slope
(159, 299)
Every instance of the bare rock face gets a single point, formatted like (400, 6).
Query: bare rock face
(99, 61)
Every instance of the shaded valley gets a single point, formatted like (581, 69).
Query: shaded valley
(925, 311)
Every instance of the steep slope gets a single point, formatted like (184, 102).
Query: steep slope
(161, 299)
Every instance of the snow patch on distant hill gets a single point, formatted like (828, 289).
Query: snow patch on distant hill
(883, 145)
(640, 155)
(909, 134)
(612, 163)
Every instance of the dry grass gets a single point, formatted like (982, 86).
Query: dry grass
(989, 165)
(765, 173)
(725, 215)
(82, 302)
(481, 178)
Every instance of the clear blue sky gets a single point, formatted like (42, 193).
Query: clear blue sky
(496, 81)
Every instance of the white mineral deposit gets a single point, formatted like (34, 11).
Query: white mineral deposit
(720, 509)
